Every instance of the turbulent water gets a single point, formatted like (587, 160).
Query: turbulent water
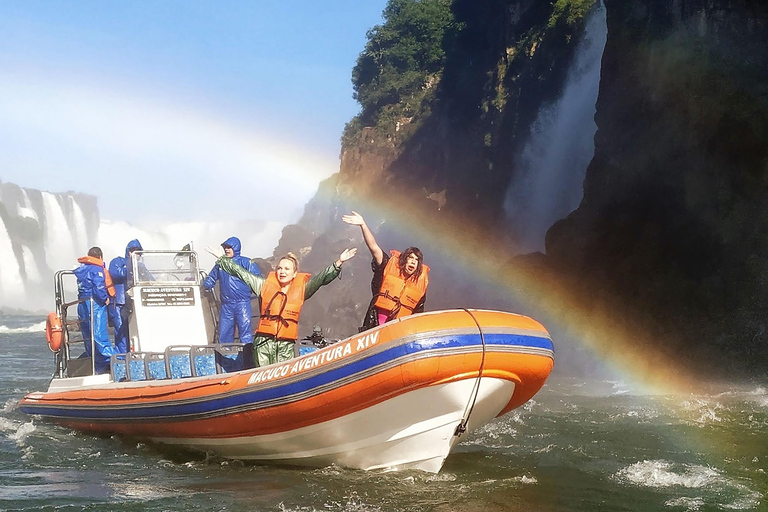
(578, 446)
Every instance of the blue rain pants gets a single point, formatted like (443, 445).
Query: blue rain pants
(235, 313)
(104, 348)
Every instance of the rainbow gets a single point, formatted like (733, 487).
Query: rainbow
(615, 341)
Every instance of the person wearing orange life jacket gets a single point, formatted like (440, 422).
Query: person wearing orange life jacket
(281, 296)
(94, 288)
(400, 280)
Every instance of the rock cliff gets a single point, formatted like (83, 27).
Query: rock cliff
(672, 230)
(668, 249)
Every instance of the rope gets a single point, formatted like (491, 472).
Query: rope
(462, 427)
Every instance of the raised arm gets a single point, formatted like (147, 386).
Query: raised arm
(356, 219)
(225, 264)
(329, 274)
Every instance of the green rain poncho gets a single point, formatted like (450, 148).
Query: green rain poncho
(267, 349)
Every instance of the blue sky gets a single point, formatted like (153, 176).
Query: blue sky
(179, 110)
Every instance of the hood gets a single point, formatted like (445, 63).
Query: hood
(234, 243)
(91, 260)
(133, 244)
(85, 262)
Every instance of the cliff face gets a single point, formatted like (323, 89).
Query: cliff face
(443, 172)
(672, 230)
(671, 237)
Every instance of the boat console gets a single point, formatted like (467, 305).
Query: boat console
(165, 295)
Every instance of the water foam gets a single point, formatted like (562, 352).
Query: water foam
(706, 409)
(38, 327)
(661, 473)
(16, 430)
(664, 474)
(686, 503)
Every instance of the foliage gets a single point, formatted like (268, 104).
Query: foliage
(401, 63)
(570, 11)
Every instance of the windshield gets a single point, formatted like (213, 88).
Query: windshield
(164, 267)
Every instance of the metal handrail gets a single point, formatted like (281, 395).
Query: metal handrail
(62, 307)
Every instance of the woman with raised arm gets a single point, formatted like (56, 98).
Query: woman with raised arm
(281, 296)
(400, 280)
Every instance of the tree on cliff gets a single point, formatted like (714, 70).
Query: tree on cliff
(402, 58)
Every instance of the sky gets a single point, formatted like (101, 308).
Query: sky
(179, 111)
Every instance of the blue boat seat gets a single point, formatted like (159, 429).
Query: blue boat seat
(178, 361)
(117, 367)
(156, 367)
(204, 360)
(136, 365)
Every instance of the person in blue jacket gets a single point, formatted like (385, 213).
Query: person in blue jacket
(235, 296)
(92, 310)
(118, 269)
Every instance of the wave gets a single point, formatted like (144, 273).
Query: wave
(38, 327)
(661, 473)
(666, 474)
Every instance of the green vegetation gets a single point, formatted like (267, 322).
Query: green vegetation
(400, 66)
(570, 11)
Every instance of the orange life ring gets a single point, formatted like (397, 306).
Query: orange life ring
(53, 332)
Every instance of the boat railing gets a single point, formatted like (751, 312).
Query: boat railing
(78, 365)
(178, 362)
(213, 304)
(65, 364)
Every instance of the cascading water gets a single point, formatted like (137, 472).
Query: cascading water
(80, 237)
(60, 250)
(30, 266)
(26, 210)
(40, 232)
(548, 185)
(43, 232)
(11, 284)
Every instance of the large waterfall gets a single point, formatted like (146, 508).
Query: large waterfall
(548, 184)
(42, 232)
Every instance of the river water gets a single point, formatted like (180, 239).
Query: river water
(579, 445)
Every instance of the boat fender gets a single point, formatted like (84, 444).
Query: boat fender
(53, 332)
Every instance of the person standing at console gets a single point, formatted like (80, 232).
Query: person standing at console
(118, 269)
(235, 296)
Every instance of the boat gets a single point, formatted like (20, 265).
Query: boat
(399, 396)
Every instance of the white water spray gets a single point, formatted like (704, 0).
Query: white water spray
(30, 266)
(64, 236)
(26, 210)
(11, 284)
(59, 244)
(80, 237)
(549, 182)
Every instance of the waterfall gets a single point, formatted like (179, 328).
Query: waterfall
(80, 237)
(60, 251)
(11, 284)
(26, 210)
(548, 184)
(43, 232)
(30, 266)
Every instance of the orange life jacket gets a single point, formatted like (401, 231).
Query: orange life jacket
(93, 260)
(280, 311)
(398, 295)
